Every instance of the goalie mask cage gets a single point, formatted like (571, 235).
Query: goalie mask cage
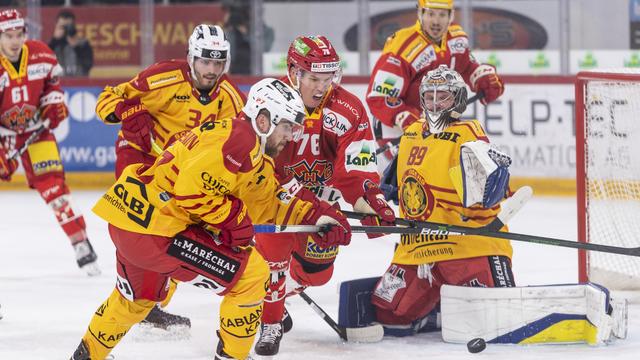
(608, 174)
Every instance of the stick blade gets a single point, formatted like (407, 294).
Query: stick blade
(512, 205)
(367, 334)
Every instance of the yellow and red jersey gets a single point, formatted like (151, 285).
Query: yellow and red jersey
(25, 90)
(336, 151)
(427, 178)
(406, 57)
(166, 90)
(191, 182)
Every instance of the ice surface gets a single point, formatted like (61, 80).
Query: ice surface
(47, 302)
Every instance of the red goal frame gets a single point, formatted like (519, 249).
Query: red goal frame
(581, 150)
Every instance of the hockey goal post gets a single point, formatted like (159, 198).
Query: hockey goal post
(607, 110)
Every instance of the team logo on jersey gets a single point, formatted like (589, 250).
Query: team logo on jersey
(458, 45)
(335, 123)
(20, 118)
(424, 59)
(416, 199)
(319, 172)
(392, 281)
(361, 156)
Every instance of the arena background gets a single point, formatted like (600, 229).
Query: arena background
(537, 46)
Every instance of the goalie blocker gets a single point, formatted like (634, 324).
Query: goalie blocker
(574, 313)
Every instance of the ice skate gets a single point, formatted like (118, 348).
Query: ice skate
(86, 258)
(269, 342)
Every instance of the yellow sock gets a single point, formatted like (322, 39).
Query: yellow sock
(111, 322)
(241, 308)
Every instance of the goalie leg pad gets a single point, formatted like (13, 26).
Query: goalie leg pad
(356, 310)
(529, 315)
(400, 297)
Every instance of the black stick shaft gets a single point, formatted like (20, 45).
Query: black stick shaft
(424, 227)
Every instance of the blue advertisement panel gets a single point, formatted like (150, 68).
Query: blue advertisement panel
(86, 143)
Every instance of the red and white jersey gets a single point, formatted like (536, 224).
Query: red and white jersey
(406, 57)
(25, 90)
(336, 151)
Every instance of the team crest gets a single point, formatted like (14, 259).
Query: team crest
(319, 172)
(416, 199)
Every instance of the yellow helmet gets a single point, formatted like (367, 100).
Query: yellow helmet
(436, 4)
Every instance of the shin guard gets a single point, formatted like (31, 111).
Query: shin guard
(112, 321)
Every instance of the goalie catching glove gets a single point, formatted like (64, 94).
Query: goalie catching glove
(137, 123)
(7, 166)
(485, 80)
(374, 203)
(483, 174)
(338, 229)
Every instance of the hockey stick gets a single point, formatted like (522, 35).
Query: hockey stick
(509, 208)
(33, 137)
(394, 142)
(491, 230)
(367, 334)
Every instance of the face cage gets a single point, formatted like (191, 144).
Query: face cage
(439, 120)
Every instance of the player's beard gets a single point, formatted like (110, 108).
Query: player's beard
(206, 82)
(273, 149)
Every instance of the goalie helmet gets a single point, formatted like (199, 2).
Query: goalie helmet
(11, 19)
(282, 102)
(443, 97)
(209, 42)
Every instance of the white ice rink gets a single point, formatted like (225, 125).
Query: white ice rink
(47, 302)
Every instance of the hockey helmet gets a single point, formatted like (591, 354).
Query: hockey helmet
(435, 4)
(282, 102)
(209, 42)
(313, 53)
(443, 97)
(11, 19)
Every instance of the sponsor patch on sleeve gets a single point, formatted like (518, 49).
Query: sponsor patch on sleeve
(361, 156)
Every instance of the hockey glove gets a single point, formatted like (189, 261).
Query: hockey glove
(137, 123)
(484, 79)
(338, 229)
(373, 202)
(237, 228)
(56, 113)
(7, 166)
(405, 118)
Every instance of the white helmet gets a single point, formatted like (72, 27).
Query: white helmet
(209, 42)
(282, 102)
(441, 80)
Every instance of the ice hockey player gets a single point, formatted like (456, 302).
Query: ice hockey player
(335, 158)
(410, 53)
(165, 101)
(190, 217)
(448, 173)
(30, 98)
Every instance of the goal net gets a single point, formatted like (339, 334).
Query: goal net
(608, 174)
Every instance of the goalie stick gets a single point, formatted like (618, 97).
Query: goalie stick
(394, 142)
(367, 334)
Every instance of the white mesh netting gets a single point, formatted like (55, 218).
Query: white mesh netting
(612, 157)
